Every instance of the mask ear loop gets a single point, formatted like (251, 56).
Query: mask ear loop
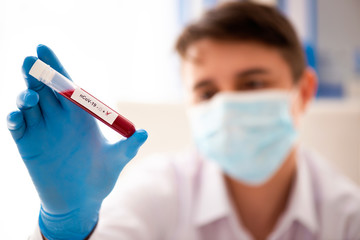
(293, 98)
(294, 109)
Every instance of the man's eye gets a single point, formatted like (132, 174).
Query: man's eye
(255, 84)
(206, 95)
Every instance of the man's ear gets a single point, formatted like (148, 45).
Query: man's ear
(306, 90)
(307, 86)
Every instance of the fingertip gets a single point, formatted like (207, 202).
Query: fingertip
(27, 99)
(44, 52)
(28, 63)
(30, 81)
(16, 124)
(141, 136)
(15, 120)
(130, 146)
(48, 56)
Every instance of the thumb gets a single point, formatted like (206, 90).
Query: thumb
(128, 148)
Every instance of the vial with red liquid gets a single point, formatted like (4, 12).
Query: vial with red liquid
(59, 83)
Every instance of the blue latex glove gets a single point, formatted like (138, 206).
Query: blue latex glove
(71, 164)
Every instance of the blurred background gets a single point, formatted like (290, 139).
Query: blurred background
(122, 52)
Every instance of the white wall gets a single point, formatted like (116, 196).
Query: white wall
(333, 129)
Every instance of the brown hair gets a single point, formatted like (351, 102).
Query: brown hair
(245, 21)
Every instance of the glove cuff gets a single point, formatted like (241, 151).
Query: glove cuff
(77, 224)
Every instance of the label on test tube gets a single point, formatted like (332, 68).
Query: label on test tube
(94, 105)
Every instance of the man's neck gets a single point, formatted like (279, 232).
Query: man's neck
(259, 207)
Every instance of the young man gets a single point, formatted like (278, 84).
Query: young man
(248, 87)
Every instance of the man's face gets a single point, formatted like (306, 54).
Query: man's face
(216, 66)
(211, 67)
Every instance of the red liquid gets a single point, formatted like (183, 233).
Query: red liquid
(121, 124)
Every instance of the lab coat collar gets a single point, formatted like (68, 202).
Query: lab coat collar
(301, 206)
(213, 201)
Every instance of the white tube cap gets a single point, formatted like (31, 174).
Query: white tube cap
(40, 71)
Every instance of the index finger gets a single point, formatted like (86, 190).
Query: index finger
(48, 102)
(46, 55)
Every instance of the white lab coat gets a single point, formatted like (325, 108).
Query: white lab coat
(185, 197)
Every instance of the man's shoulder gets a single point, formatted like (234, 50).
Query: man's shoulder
(335, 194)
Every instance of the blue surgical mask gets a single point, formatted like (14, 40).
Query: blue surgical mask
(249, 135)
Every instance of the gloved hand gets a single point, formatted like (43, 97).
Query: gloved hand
(71, 164)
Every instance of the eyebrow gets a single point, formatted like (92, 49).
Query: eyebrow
(252, 71)
(202, 83)
(243, 74)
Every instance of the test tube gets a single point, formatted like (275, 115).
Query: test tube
(59, 83)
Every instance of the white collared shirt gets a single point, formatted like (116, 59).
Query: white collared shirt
(186, 198)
